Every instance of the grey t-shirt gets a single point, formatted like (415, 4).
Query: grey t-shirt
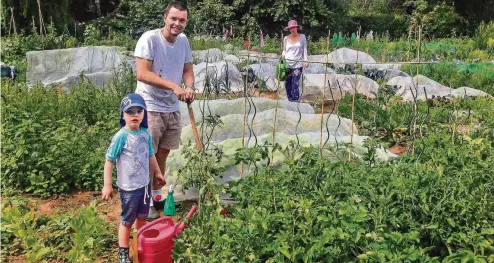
(168, 63)
(131, 151)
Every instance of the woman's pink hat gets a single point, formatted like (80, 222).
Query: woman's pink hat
(292, 23)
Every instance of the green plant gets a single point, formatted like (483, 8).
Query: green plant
(91, 235)
(19, 226)
(310, 210)
(479, 54)
(483, 33)
(92, 35)
(202, 172)
(41, 238)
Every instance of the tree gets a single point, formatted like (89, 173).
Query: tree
(211, 15)
(316, 16)
(441, 21)
(25, 11)
(62, 12)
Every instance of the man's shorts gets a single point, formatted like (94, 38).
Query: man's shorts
(135, 204)
(165, 129)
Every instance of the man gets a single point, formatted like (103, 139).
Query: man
(163, 59)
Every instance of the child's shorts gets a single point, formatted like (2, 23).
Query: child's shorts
(134, 205)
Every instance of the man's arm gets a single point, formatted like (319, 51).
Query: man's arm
(188, 77)
(145, 74)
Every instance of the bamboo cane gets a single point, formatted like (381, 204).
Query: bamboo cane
(245, 106)
(324, 92)
(353, 102)
(276, 105)
(417, 84)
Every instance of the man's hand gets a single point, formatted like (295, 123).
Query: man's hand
(161, 179)
(181, 93)
(190, 95)
(306, 65)
(107, 193)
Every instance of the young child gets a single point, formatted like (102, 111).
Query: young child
(131, 150)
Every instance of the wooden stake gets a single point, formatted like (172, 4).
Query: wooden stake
(40, 19)
(245, 105)
(194, 127)
(34, 25)
(12, 21)
(276, 105)
(324, 92)
(416, 85)
(353, 103)
(10, 25)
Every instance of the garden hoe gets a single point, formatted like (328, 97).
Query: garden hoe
(194, 128)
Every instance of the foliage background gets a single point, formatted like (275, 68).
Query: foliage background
(441, 18)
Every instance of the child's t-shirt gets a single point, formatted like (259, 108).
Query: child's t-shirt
(131, 151)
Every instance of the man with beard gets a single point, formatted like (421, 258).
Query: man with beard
(163, 60)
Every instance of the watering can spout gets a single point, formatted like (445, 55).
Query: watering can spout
(180, 227)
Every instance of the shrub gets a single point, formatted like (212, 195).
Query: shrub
(484, 32)
(51, 143)
(479, 54)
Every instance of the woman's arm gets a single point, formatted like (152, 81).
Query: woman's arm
(283, 53)
(305, 49)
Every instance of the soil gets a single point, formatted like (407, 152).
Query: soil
(330, 106)
(399, 149)
(463, 129)
(264, 94)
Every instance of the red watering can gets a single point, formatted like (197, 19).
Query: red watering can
(155, 240)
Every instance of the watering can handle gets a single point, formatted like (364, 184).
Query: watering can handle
(191, 212)
(180, 227)
(168, 220)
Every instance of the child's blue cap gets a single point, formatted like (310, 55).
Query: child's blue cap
(133, 100)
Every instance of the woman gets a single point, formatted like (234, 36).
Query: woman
(295, 53)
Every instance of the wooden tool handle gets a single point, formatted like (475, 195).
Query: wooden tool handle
(194, 128)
